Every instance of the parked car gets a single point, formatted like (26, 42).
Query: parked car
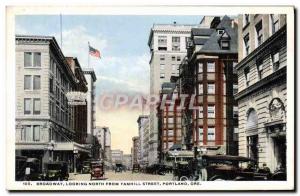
(182, 171)
(20, 168)
(56, 171)
(135, 168)
(226, 167)
(97, 170)
(86, 168)
(33, 170)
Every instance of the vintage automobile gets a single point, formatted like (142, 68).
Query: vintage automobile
(56, 171)
(33, 170)
(118, 167)
(86, 168)
(226, 167)
(97, 170)
(182, 171)
(135, 168)
(20, 166)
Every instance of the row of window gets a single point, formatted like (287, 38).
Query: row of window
(163, 75)
(174, 67)
(274, 26)
(162, 43)
(211, 111)
(211, 133)
(210, 67)
(275, 62)
(173, 58)
(210, 88)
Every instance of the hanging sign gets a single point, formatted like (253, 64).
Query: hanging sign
(76, 98)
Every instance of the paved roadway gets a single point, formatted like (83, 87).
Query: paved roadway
(124, 176)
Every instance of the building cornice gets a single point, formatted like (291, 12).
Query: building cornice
(278, 76)
(262, 47)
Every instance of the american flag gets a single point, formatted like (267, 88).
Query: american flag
(94, 52)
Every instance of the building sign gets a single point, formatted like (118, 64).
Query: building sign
(76, 98)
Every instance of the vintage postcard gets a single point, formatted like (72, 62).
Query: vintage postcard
(135, 98)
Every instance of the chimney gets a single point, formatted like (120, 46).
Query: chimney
(215, 22)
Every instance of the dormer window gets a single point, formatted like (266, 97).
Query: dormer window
(225, 44)
(220, 31)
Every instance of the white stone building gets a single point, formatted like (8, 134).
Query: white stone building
(45, 123)
(262, 88)
(167, 43)
(104, 137)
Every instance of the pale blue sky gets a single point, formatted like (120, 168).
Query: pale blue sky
(124, 66)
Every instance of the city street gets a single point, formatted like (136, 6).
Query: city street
(127, 176)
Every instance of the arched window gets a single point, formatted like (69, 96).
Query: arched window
(251, 119)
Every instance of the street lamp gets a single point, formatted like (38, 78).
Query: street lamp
(75, 151)
(51, 148)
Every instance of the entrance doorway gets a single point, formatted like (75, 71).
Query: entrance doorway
(280, 152)
(252, 142)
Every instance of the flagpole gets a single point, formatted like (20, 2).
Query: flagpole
(61, 31)
(89, 54)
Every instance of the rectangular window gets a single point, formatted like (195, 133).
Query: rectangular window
(275, 61)
(236, 130)
(246, 19)
(173, 58)
(27, 106)
(178, 58)
(162, 57)
(162, 40)
(220, 31)
(37, 59)
(274, 23)
(211, 111)
(224, 45)
(170, 133)
(36, 133)
(51, 85)
(211, 88)
(27, 59)
(235, 88)
(28, 133)
(210, 66)
(173, 67)
(211, 133)
(162, 75)
(162, 66)
(246, 45)
(32, 59)
(200, 89)
(36, 106)
(175, 39)
(36, 82)
(200, 133)
(235, 111)
(200, 111)
(259, 65)
(27, 82)
(247, 76)
(170, 120)
(259, 33)
(200, 67)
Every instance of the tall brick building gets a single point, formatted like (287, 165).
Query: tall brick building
(208, 73)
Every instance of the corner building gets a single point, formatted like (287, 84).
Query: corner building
(262, 88)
